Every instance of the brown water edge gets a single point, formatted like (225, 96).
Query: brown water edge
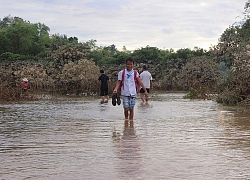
(80, 138)
(18, 96)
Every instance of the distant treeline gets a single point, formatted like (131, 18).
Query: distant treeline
(62, 64)
(22, 40)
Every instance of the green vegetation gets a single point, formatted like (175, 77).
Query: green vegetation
(56, 63)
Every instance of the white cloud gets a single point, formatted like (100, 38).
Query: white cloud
(135, 24)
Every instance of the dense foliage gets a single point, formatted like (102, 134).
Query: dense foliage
(233, 52)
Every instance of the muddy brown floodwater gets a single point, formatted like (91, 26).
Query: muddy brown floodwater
(80, 138)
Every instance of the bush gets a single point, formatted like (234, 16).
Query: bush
(79, 77)
(8, 56)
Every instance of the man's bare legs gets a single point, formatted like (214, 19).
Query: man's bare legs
(129, 113)
(146, 98)
(126, 113)
(127, 122)
(107, 98)
(142, 96)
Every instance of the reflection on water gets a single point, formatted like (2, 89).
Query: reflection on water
(127, 150)
(236, 129)
(80, 138)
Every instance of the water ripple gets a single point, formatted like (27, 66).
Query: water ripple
(79, 138)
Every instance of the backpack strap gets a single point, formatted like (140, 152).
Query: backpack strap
(123, 75)
(122, 81)
(135, 73)
(137, 86)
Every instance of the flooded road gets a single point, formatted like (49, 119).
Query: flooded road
(79, 138)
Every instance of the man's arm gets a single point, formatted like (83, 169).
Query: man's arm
(99, 80)
(151, 84)
(117, 86)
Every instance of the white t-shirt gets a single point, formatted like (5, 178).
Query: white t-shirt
(128, 88)
(145, 78)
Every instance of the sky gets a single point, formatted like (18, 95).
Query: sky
(134, 24)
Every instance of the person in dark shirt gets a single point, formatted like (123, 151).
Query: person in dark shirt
(103, 81)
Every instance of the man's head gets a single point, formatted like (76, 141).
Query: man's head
(130, 63)
(101, 71)
(144, 67)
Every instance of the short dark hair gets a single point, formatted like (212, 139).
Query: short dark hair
(130, 59)
(144, 66)
(101, 71)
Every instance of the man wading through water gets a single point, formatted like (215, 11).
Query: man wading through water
(126, 80)
(103, 81)
(146, 79)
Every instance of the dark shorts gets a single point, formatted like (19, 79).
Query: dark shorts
(142, 91)
(104, 91)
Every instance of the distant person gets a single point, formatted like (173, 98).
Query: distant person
(25, 84)
(147, 80)
(103, 81)
(127, 81)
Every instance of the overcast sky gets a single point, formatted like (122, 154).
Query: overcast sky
(163, 24)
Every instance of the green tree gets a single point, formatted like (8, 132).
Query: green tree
(73, 39)
(144, 55)
(91, 44)
(4, 42)
(43, 39)
(58, 40)
(22, 35)
(24, 38)
(8, 21)
(105, 55)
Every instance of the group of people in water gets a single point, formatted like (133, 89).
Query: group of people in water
(129, 83)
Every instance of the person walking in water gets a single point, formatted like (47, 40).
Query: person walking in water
(103, 81)
(127, 81)
(147, 80)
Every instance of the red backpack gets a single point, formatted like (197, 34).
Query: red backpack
(137, 85)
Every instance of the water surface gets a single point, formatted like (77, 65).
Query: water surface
(80, 138)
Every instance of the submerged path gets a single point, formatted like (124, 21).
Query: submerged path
(80, 138)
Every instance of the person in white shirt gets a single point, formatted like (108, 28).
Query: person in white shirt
(147, 80)
(127, 80)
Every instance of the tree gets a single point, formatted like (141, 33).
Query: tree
(105, 55)
(73, 39)
(91, 44)
(22, 35)
(58, 40)
(24, 38)
(146, 54)
(4, 43)
(8, 21)
(233, 49)
(201, 75)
